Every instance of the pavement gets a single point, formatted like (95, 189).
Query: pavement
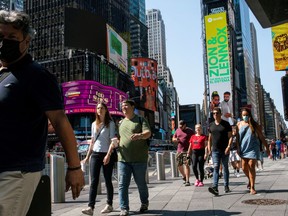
(170, 197)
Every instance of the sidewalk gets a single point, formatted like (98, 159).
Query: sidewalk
(171, 197)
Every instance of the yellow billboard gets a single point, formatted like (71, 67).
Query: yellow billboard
(217, 48)
(280, 46)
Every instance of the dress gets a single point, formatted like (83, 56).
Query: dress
(249, 146)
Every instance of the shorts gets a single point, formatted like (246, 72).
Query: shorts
(234, 156)
(181, 159)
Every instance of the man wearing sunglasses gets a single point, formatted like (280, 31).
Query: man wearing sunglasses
(220, 132)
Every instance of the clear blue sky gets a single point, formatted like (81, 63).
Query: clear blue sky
(182, 21)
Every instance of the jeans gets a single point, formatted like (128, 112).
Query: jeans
(125, 170)
(218, 157)
(96, 162)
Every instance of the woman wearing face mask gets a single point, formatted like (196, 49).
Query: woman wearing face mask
(249, 134)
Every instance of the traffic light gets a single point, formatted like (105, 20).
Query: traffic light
(284, 82)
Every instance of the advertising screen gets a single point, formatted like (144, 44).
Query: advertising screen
(82, 97)
(117, 50)
(218, 59)
(144, 74)
(280, 46)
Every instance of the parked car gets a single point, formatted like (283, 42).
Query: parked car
(162, 147)
(84, 146)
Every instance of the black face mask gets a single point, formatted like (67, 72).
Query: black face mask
(9, 50)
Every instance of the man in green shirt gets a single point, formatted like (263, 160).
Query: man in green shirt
(132, 156)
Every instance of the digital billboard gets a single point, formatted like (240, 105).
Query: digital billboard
(84, 30)
(144, 74)
(218, 59)
(117, 50)
(280, 46)
(82, 96)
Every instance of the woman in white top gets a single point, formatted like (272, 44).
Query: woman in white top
(102, 132)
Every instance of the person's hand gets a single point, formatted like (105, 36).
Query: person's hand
(228, 115)
(106, 159)
(227, 150)
(75, 181)
(85, 160)
(136, 136)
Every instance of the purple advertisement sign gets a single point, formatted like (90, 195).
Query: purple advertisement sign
(82, 96)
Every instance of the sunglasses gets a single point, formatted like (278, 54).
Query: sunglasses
(215, 113)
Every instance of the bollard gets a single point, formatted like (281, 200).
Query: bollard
(174, 168)
(160, 166)
(57, 175)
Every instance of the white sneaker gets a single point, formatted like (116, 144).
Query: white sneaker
(238, 175)
(108, 208)
(88, 211)
(124, 212)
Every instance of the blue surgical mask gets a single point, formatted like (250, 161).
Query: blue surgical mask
(245, 118)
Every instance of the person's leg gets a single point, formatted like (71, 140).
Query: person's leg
(139, 174)
(216, 164)
(225, 161)
(96, 162)
(201, 165)
(252, 174)
(124, 173)
(107, 171)
(17, 190)
(245, 168)
(180, 165)
(194, 165)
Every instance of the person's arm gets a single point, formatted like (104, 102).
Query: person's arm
(89, 152)
(209, 145)
(262, 138)
(74, 176)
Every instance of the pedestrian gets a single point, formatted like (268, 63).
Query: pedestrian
(29, 96)
(215, 102)
(234, 158)
(219, 135)
(181, 137)
(227, 108)
(278, 148)
(197, 146)
(134, 131)
(273, 149)
(249, 135)
(103, 133)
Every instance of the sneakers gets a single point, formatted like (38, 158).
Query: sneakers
(88, 211)
(124, 212)
(213, 190)
(187, 184)
(200, 184)
(196, 183)
(238, 175)
(226, 189)
(108, 208)
(144, 207)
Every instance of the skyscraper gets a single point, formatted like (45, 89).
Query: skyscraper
(138, 29)
(157, 40)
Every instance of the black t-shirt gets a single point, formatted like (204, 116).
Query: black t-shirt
(233, 145)
(219, 135)
(25, 95)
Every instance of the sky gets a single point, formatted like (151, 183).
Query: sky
(184, 51)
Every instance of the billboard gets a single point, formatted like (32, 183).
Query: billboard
(84, 30)
(117, 52)
(82, 96)
(218, 59)
(280, 46)
(144, 74)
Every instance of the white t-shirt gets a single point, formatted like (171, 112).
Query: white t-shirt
(226, 107)
(104, 139)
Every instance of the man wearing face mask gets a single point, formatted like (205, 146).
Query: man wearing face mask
(29, 96)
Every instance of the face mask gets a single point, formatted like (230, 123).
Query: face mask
(245, 118)
(9, 50)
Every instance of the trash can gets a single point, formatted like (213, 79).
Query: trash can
(57, 175)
